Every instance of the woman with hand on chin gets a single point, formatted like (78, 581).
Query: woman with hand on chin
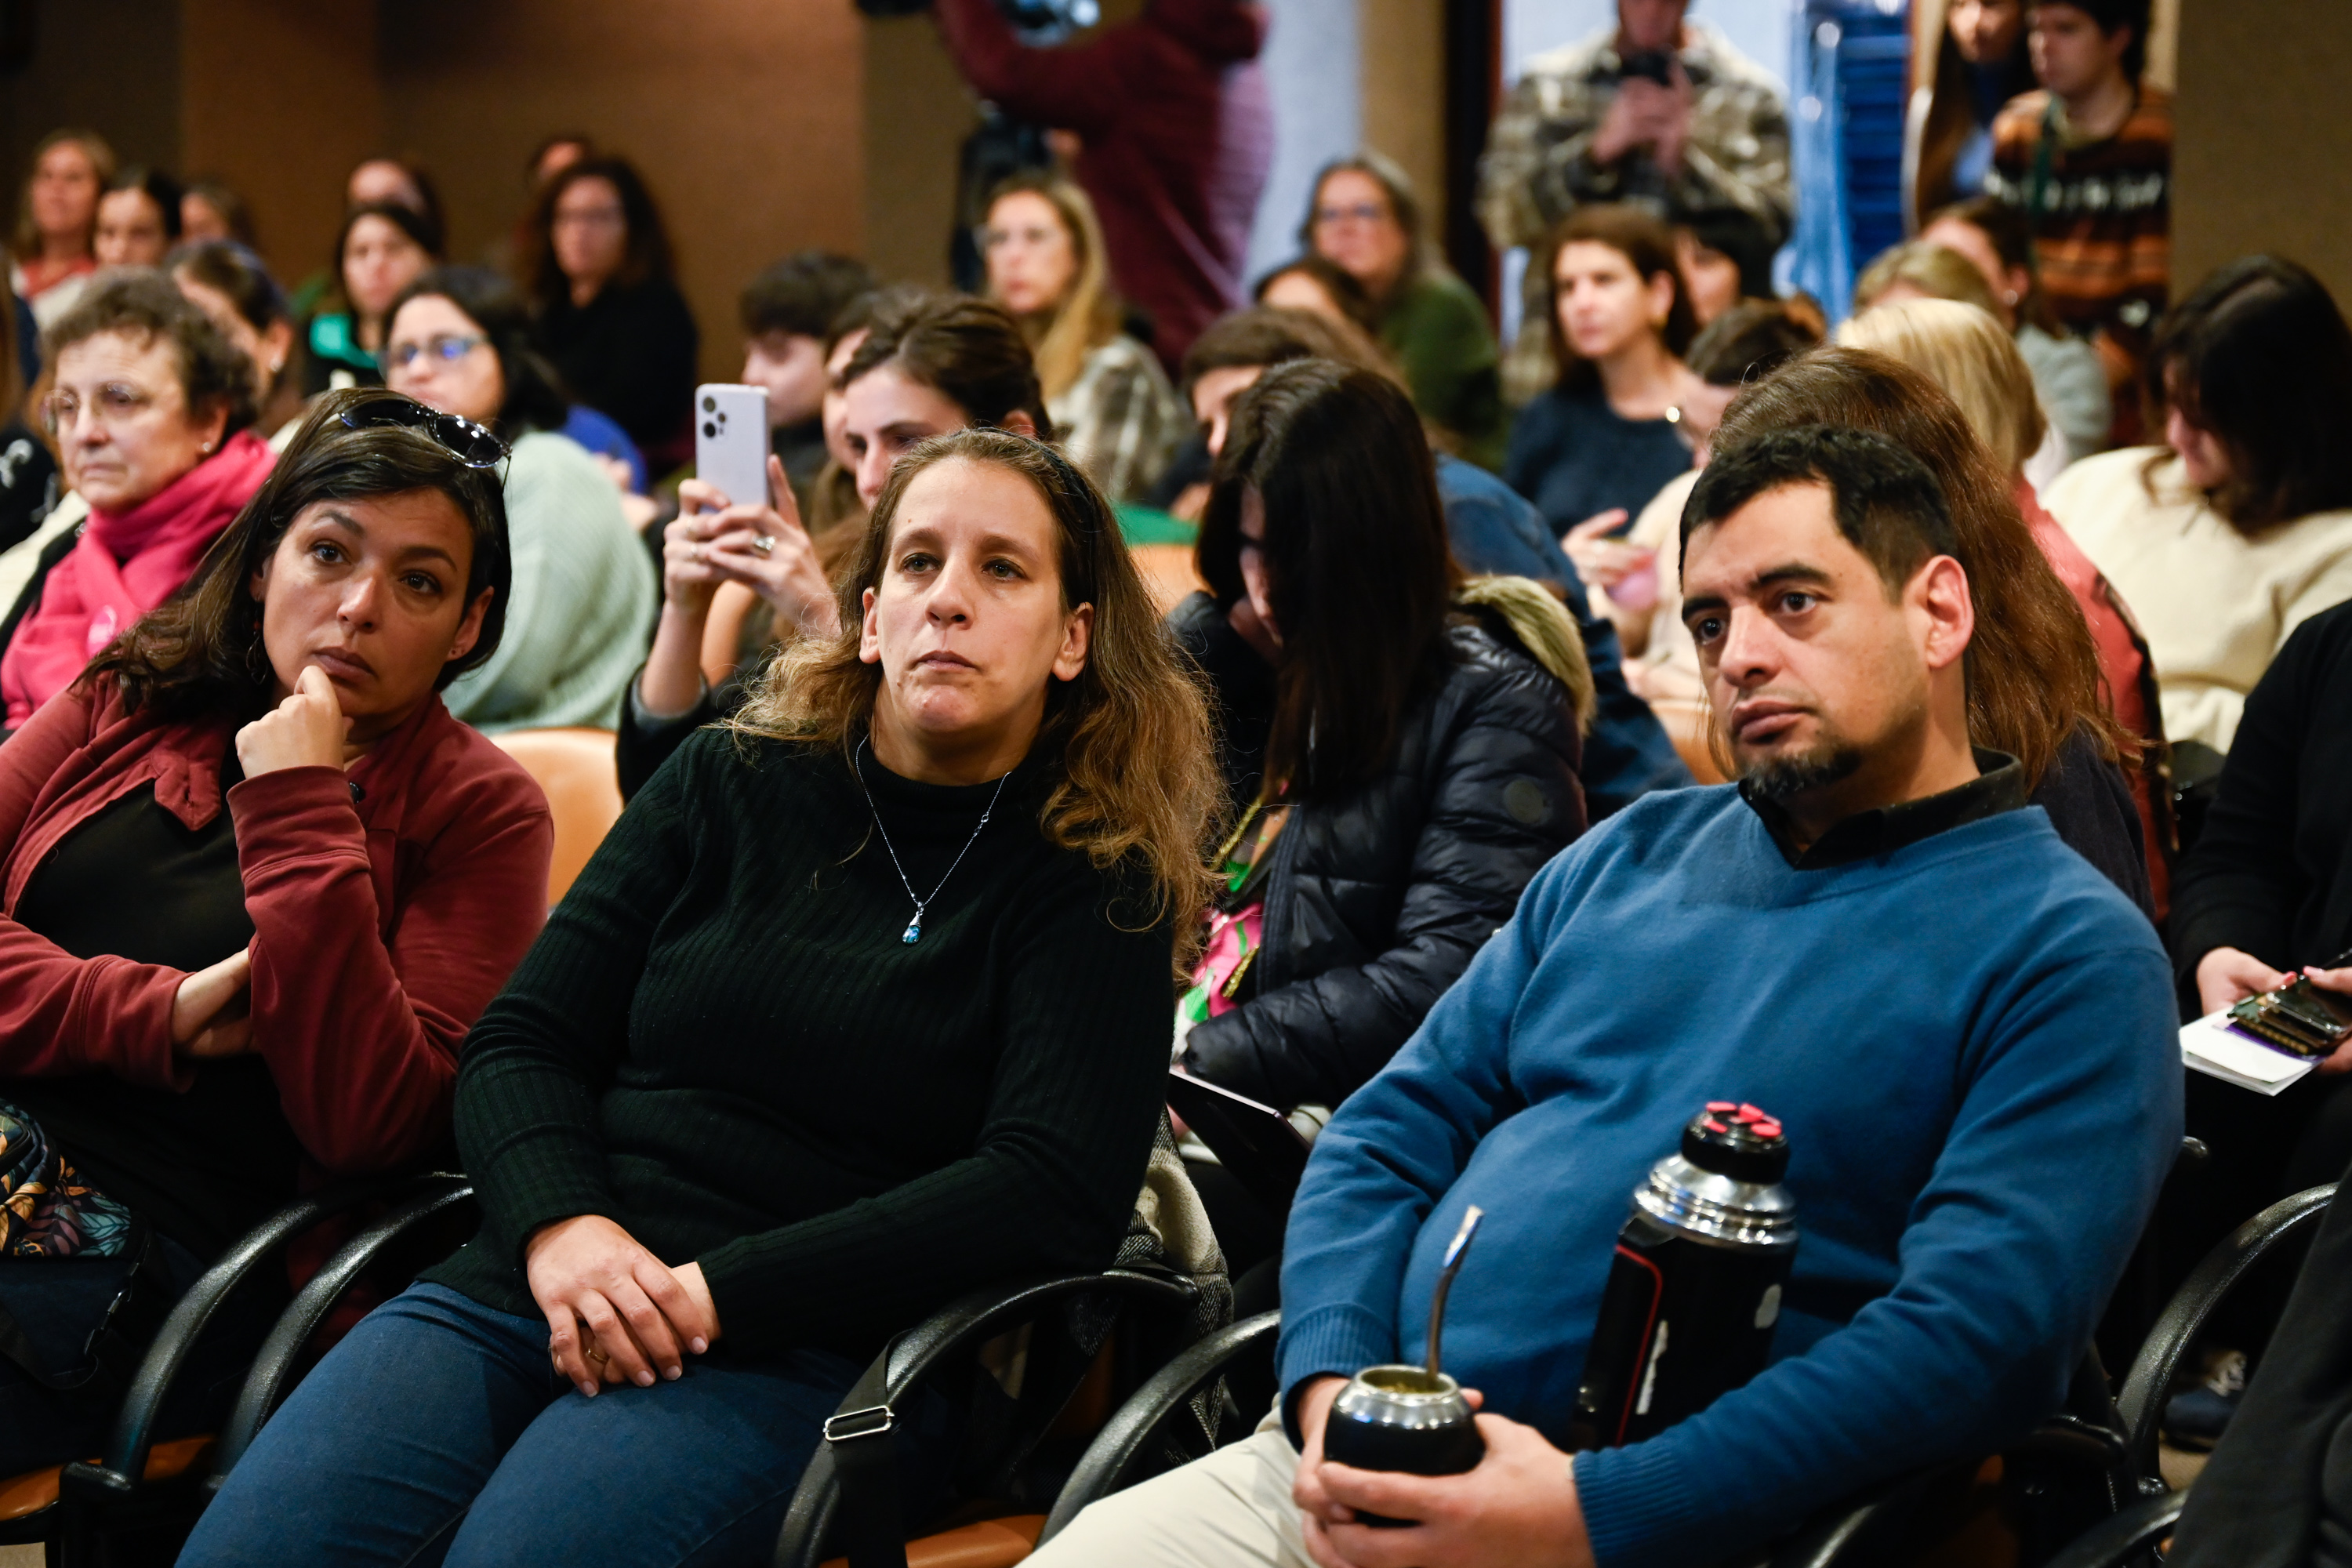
(255, 884)
(861, 1005)
(928, 364)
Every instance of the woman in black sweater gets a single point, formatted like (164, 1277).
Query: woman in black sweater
(861, 1005)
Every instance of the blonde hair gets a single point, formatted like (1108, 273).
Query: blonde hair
(1935, 270)
(1088, 316)
(1134, 777)
(1971, 356)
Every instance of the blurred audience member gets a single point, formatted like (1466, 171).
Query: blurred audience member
(611, 319)
(788, 314)
(1980, 64)
(1659, 111)
(28, 472)
(582, 599)
(926, 365)
(2033, 670)
(395, 182)
(260, 884)
(556, 153)
(138, 219)
(50, 255)
(2242, 530)
(1365, 217)
(2067, 374)
(212, 209)
(1968, 353)
(1175, 136)
(229, 284)
(149, 408)
(1636, 580)
(1114, 411)
(2087, 159)
(1322, 286)
(1369, 706)
(1491, 528)
(379, 251)
(1724, 257)
(1592, 449)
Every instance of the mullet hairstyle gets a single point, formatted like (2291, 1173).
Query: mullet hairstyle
(1886, 503)
(2259, 355)
(966, 350)
(1133, 775)
(194, 656)
(1088, 317)
(1642, 241)
(648, 254)
(2032, 670)
(1358, 567)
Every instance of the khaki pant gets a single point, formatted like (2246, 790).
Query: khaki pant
(1231, 1510)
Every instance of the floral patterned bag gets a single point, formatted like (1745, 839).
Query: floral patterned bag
(45, 1209)
(50, 1214)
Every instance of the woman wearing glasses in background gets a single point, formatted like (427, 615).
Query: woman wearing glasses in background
(255, 884)
(150, 410)
(584, 594)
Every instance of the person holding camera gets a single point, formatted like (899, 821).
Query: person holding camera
(1658, 110)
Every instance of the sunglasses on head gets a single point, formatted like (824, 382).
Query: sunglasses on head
(468, 442)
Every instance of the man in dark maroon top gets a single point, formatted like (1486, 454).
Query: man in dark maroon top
(1177, 135)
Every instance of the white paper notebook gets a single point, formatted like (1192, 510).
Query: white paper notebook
(2212, 1046)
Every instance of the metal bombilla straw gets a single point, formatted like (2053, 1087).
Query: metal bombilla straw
(1452, 1265)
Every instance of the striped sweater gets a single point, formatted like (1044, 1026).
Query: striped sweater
(2103, 223)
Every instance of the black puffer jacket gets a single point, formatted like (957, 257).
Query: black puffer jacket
(1375, 903)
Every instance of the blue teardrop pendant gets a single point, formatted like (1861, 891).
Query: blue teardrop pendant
(914, 932)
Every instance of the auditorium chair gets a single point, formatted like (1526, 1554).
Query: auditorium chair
(575, 769)
(83, 1513)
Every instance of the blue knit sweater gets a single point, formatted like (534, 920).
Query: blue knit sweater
(1971, 1043)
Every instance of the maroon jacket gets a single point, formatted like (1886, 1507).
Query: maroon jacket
(1178, 134)
(382, 926)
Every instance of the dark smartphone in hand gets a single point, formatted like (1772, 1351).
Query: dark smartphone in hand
(1650, 64)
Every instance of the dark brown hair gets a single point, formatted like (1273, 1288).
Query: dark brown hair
(1952, 114)
(1268, 335)
(1640, 238)
(1335, 280)
(968, 351)
(144, 304)
(2259, 355)
(648, 255)
(2032, 670)
(1752, 339)
(194, 655)
(422, 229)
(2010, 234)
(1358, 567)
(1133, 771)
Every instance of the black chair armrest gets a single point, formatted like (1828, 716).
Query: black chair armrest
(2115, 1542)
(1869, 1527)
(266, 1384)
(2141, 1404)
(116, 1476)
(1104, 1468)
(914, 1355)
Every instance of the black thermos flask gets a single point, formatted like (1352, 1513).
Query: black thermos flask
(1696, 1287)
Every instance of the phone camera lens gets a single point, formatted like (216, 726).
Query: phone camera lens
(710, 430)
(709, 404)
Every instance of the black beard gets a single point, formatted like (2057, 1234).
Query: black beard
(1781, 778)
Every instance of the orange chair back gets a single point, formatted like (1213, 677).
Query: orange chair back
(575, 769)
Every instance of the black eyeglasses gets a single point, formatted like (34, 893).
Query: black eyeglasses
(468, 442)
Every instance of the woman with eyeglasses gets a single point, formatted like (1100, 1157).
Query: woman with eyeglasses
(149, 408)
(255, 883)
(1365, 220)
(611, 319)
(383, 248)
(1117, 417)
(582, 605)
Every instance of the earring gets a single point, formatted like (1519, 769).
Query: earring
(256, 656)
(208, 447)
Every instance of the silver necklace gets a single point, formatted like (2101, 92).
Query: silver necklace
(914, 932)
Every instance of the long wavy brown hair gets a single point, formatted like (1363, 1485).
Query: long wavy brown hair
(2032, 670)
(1134, 776)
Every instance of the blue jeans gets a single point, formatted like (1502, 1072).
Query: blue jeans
(439, 1432)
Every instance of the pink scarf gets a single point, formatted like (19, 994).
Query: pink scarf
(124, 566)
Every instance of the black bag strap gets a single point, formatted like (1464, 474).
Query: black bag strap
(112, 1352)
(866, 1466)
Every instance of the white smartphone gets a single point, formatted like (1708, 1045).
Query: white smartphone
(730, 440)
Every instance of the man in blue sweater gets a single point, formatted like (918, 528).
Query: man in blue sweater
(1968, 1033)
